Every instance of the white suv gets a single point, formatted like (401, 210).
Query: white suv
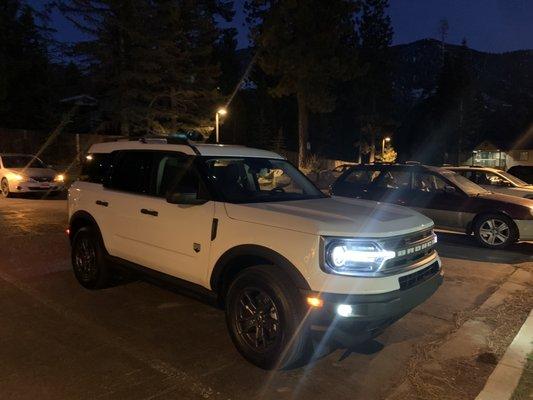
(245, 228)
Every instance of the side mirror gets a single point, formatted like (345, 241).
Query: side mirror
(185, 198)
(449, 189)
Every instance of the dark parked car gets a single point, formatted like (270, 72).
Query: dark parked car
(451, 200)
(524, 172)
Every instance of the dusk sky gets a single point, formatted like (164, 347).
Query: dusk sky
(488, 25)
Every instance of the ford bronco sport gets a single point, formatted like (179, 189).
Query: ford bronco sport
(247, 229)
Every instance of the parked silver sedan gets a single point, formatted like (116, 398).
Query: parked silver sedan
(24, 173)
(495, 180)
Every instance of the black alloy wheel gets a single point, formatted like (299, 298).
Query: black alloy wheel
(257, 319)
(265, 314)
(88, 259)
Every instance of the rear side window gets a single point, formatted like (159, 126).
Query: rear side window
(428, 183)
(95, 167)
(361, 176)
(394, 179)
(131, 171)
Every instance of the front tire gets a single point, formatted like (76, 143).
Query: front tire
(495, 231)
(88, 259)
(264, 314)
(4, 188)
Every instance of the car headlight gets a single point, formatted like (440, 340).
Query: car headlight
(18, 177)
(59, 178)
(354, 257)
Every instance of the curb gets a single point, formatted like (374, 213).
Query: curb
(504, 379)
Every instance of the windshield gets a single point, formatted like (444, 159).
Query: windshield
(463, 183)
(22, 161)
(516, 181)
(253, 180)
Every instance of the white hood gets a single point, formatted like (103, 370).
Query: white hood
(335, 216)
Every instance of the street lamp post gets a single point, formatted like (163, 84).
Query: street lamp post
(386, 139)
(220, 111)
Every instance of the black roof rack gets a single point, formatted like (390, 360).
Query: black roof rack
(184, 138)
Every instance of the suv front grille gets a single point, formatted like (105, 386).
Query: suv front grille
(42, 178)
(408, 281)
(410, 249)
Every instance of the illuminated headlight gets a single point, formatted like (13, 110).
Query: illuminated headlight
(18, 177)
(59, 178)
(354, 257)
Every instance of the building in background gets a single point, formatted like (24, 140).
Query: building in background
(501, 155)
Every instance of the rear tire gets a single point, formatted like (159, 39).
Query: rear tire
(4, 188)
(88, 259)
(495, 231)
(264, 314)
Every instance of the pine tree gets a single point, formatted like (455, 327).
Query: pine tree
(459, 105)
(25, 96)
(373, 91)
(152, 61)
(308, 46)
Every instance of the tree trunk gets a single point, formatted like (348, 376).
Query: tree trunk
(460, 136)
(303, 116)
(173, 109)
(372, 144)
(360, 154)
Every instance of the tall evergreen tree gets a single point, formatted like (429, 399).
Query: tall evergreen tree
(152, 60)
(25, 96)
(309, 46)
(373, 89)
(459, 104)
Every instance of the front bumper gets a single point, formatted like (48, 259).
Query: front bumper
(525, 228)
(35, 187)
(372, 313)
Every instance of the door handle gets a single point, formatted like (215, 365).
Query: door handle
(102, 203)
(149, 212)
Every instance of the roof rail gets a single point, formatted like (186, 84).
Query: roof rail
(153, 140)
(178, 138)
(412, 162)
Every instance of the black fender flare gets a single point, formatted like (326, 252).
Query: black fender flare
(84, 216)
(258, 252)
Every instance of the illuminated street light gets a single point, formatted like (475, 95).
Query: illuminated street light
(220, 111)
(386, 139)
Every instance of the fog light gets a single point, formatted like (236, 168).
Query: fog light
(344, 310)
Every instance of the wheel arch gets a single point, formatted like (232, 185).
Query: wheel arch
(81, 219)
(240, 257)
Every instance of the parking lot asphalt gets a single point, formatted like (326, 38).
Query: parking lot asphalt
(140, 341)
